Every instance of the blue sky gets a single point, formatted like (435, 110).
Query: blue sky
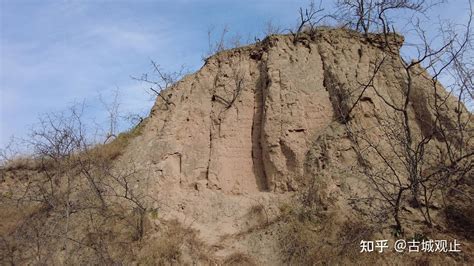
(54, 53)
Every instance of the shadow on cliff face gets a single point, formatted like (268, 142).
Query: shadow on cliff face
(459, 211)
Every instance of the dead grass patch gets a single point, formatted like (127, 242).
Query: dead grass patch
(311, 237)
(239, 259)
(460, 219)
(173, 244)
(115, 148)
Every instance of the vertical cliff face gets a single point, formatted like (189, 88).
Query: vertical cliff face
(247, 120)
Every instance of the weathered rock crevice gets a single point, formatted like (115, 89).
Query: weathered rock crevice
(210, 176)
(257, 123)
(337, 94)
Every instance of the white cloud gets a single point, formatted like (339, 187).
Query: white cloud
(114, 36)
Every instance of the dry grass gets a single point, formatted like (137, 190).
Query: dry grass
(460, 219)
(300, 242)
(115, 148)
(258, 215)
(308, 243)
(349, 237)
(173, 244)
(97, 235)
(108, 151)
(459, 208)
(311, 236)
(239, 259)
(26, 164)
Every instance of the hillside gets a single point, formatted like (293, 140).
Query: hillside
(287, 151)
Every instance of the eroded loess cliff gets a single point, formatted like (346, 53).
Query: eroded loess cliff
(280, 116)
(247, 119)
(272, 153)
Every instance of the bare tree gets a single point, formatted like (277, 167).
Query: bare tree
(122, 188)
(309, 18)
(238, 79)
(271, 28)
(164, 81)
(217, 45)
(9, 151)
(77, 188)
(222, 41)
(372, 15)
(112, 108)
(345, 114)
(406, 161)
